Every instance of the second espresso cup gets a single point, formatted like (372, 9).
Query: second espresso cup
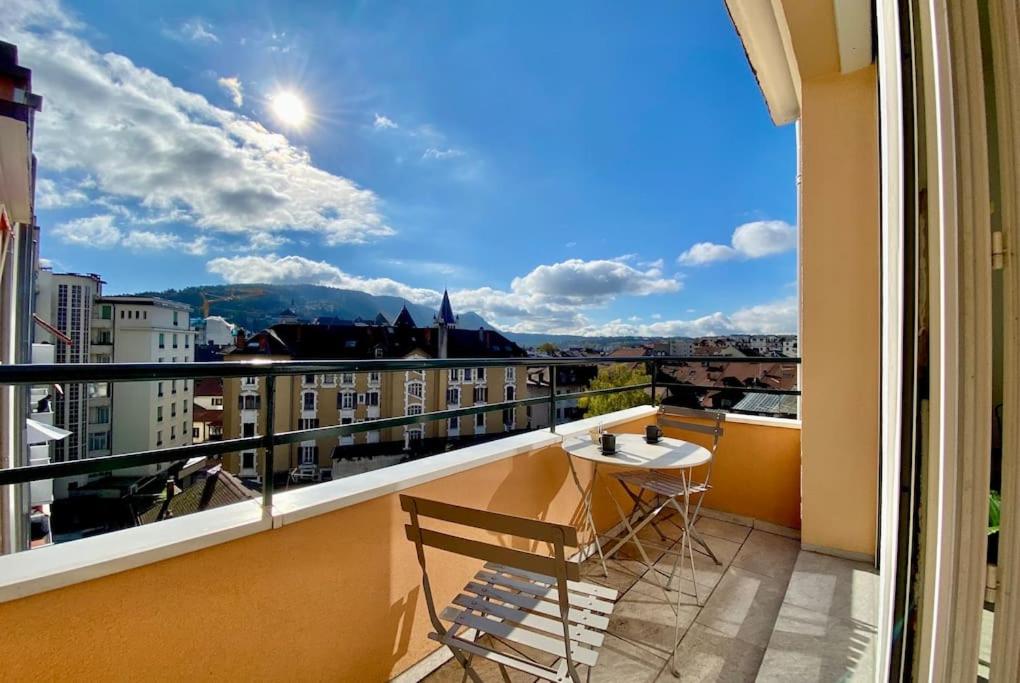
(653, 433)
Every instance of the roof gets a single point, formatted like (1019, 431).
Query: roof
(217, 489)
(143, 301)
(381, 320)
(776, 404)
(209, 386)
(404, 318)
(446, 316)
(327, 342)
(287, 312)
(207, 415)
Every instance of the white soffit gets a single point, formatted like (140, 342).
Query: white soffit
(762, 27)
(853, 33)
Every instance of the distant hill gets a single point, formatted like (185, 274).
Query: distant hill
(256, 306)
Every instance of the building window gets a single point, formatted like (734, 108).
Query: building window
(346, 400)
(414, 410)
(174, 338)
(159, 413)
(481, 394)
(308, 454)
(99, 415)
(453, 424)
(175, 317)
(347, 378)
(99, 441)
(249, 381)
(480, 375)
(372, 398)
(159, 438)
(328, 380)
(194, 432)
(248, 461)
(510, 374)
(247, 430)
(122, 315)
(216, 401)
(374, 377)
(173, 432)
(453, 396)
(415, 389)
(308, 423)
(173, 410)
(413, 435)
(187, 341)
(162, 340)
(105, 311)
(249, 402)
(467, 374)
(173, 386)
(308, 400)
(511, 393)
(480, 420)
(309, 380)
(184, 409)
(454, 375)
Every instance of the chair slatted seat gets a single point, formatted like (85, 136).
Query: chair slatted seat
(519, 598)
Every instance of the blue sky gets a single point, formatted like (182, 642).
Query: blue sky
(567, 167)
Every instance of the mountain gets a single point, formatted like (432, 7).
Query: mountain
(256, 306)
(564, 341)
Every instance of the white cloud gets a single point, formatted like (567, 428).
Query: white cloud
(749, 241)
(435, 153)
(232, 86)
(169, 152)
(91, 231)
(143, 240)
(52, 195)
(549, 298)
(196, 30)
(778, 317)
(383, 122)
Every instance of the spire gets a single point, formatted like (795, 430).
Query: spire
(404, 318)
(446, 316)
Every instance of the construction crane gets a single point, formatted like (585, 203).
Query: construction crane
(232, 294)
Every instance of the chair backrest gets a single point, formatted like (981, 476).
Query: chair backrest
(557, 566)
(559, 535)
(667, 418)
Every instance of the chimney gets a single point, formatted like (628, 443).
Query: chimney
(240, 341)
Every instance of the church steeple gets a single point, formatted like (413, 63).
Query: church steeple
(446, 316)
(404, 318)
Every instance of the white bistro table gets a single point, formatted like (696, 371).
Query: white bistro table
(632, 451)
(673, 456)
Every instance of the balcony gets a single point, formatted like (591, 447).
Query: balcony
(363, 617)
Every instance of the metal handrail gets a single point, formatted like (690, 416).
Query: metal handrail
(126, 372)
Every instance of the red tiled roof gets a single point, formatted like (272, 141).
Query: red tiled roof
(209, 386)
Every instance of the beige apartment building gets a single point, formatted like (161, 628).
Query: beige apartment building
(320, 400)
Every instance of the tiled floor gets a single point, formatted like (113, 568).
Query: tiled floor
(725, 640)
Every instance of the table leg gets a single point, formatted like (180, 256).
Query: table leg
(586, 496)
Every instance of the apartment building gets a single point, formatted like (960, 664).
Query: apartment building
(207, 411)
(142, 415)
(569, 380)
(328, 399)
(64, 301)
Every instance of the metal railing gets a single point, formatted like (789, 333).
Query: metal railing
(22, 375)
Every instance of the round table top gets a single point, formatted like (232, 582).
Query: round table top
(633, 451)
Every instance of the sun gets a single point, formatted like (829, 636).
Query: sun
(288, 108)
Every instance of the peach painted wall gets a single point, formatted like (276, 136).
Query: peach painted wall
(334, 597)
(840, 310)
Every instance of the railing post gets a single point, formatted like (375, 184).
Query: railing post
(552, 399)
(267, 460)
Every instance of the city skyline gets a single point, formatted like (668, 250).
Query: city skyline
(420, 125)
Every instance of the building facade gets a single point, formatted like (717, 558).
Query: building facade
(308, 401)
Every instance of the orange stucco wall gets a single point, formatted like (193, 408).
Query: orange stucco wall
(334, 597)
(840, 310)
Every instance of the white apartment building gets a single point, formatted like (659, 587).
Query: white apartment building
(65, 302)
(681, 346)
(144, 415)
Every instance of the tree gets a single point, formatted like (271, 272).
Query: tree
(615, 376)
(548, 348)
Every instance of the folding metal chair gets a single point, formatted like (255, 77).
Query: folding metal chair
(519, 598)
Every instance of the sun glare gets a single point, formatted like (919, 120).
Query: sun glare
(289, 109)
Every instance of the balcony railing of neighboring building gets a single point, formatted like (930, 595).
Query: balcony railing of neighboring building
(28, 375)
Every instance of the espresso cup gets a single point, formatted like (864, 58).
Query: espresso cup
(653, 433)
(608, 443)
